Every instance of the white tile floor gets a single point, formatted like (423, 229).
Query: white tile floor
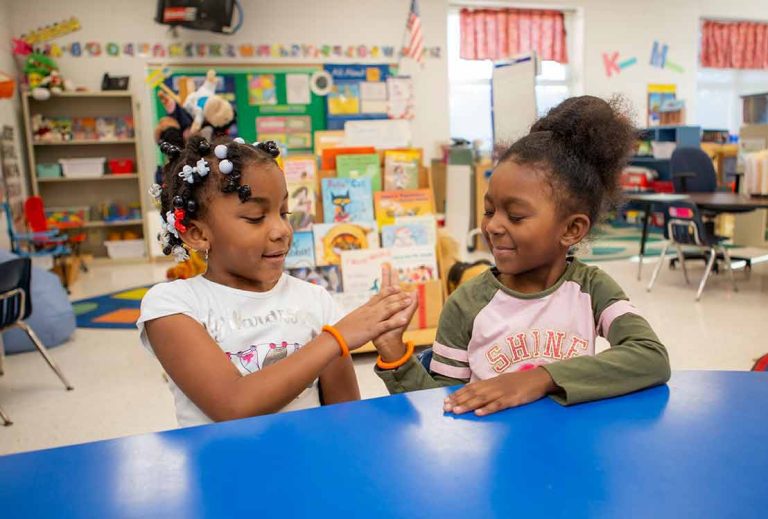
(119, 389)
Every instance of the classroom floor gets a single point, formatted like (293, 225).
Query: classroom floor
(119, 388)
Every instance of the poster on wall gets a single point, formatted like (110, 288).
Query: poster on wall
(294, 131)
(11, 188)
(262, 89)
(359, 92)
(400, 98)
(344, 98)
(658, 94)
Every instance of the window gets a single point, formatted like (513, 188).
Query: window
(470, 89)
(718, 105)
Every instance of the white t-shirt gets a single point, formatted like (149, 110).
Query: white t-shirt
(254, 329)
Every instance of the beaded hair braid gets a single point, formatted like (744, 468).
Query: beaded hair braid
(184, 182)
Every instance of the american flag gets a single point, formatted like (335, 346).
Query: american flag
(415, 48)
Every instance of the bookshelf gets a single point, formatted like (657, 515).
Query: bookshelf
(91, 192)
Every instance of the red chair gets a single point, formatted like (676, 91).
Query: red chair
(34, 213)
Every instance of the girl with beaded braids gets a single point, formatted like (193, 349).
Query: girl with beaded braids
(244, 338)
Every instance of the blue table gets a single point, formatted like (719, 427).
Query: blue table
(696, 448)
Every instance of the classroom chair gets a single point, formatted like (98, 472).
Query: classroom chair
(16, 306)
(683, 226)
(34, 213)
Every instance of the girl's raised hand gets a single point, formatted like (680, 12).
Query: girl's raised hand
(381, 314)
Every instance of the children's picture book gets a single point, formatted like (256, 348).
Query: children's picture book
(327, 277)
(401, 169)
(360, 166)
(300, 168)
(427, 221)
(416, 264)
(394, 204)
(333, 238)
(302, 204)
(407, 234)
(329, 155)
(347, 200)
(302, 251)
(361, 269)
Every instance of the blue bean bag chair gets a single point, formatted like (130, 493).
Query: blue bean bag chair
(52, 318)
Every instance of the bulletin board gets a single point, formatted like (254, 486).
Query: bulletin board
(359, 92)
(273, 102)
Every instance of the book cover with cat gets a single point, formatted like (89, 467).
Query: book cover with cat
(302, 203)
(347, 200)
(360, 166)
(302, 251)
(390, 205)
(401, 169)
(331, 239)
(361, 269)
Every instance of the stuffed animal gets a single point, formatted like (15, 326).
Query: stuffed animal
(192, 267)
(42, 128)
(43, 76)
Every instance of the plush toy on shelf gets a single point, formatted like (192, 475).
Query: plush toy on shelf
(43, 76)
(200, 111)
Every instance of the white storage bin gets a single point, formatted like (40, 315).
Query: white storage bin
(663, 150)
(121, 249)
(91, 167)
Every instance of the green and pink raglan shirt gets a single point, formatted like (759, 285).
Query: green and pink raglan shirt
(486, 329)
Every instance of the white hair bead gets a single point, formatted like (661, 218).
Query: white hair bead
(226, 167)
(220, 151)
(239, 140)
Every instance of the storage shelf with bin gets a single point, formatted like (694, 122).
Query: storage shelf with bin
(84, 163)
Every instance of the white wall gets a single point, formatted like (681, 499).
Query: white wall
(342, 22)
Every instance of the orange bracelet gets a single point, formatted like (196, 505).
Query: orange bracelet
(399, 362)
(339, 339)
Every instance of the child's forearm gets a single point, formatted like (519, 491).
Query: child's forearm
(272, 388)
(636, 360)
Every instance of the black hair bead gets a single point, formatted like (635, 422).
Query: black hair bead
(270, 147)
(178, 202)
(204, 148)
(191, 206)
(167, 250)
(244, 192)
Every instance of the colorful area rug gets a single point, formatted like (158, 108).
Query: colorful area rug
(119, 310)
(618, 241)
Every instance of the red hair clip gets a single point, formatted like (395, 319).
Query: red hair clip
(179, 214)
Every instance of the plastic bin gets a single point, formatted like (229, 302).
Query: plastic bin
(122, 249)
(92, 167)
(48, 170)
(663, 149)
(121, 166)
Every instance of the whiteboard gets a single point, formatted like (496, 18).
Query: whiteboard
(513, 100)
